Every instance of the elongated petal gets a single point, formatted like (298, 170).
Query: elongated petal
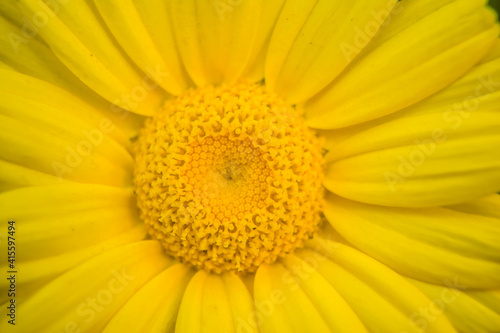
(435, 245)
(493, 54)
(334, 310)
(126, 24)
(446, 141)
(215, 38)
(215, 303)
(42, 270)
(477, 90)
(63, 137)
(13, 176)
(307, 49)
(64, 107)
(283, 308)
(408, 156)
(155, 17)
(67, 157)
(96, 290)
(62, 218)
(268, 298)
(489, 298)
(487, 206)
(241, 301)
(158, 301)
(21, 49)
(463, 311)
(268, 17)
(77, 36)
(61, 226)
(374, 291)
(426, 54)
(189, 318)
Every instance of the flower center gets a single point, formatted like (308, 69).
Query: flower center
(228, 178)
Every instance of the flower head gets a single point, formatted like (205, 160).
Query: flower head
(250, 166)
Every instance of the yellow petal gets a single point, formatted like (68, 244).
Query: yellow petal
(310, 45)
(155, 17)
(13, 176)
(215, 303)
(489, 298)
(281, 307)
(268, 17)
(477, 90)
(486, 206)
(79, 39)
(64, 107)
(424, 57)
(129, 30)
(26, 291)
(22, 50)
(333, 309)
(89, 295)
(384, 300)
(268, 300)
(158, 302)
(435, 245)
(205, 306)
(28, 55)
(397, 162)
(241, 303)
(493, 54)
(189, 317)
(65, 154)
(44, 269)
(463, 311)
(60, 218)
(60, 226)
(5, 66)
(454, 131)
(64, 138)
(215, 38)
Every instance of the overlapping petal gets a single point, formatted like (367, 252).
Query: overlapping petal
(215, 38)
(158, 302)
(409, 60)
(383, 299)
(215, 303)
(61, 226)
(436, 245)
(289, 303)
(464, 312)
(153, 49)
(446, 142)
(77, 36)
(308, 46)
(270, 12)
(99, 288)
(23, 50)
(61, 135)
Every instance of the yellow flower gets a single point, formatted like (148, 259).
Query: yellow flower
(250, 166)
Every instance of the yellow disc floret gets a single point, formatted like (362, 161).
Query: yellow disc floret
(228, 178)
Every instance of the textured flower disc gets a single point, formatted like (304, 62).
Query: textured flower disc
(229, 178)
